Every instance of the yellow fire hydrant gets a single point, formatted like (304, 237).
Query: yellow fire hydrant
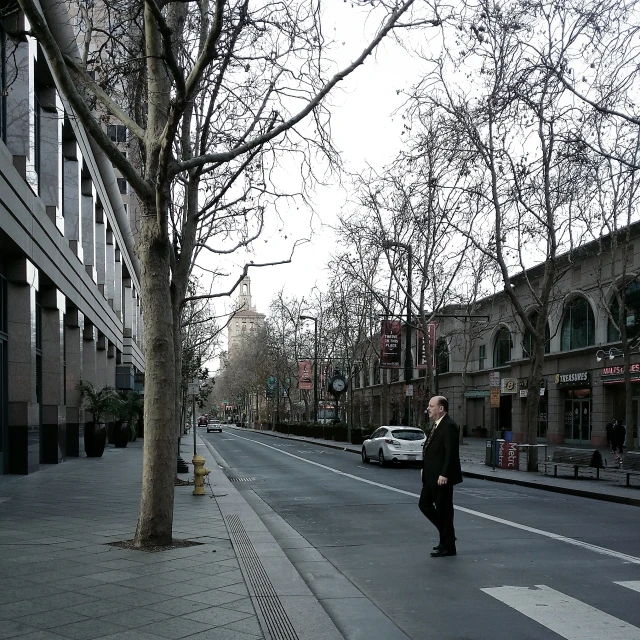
(199, 472)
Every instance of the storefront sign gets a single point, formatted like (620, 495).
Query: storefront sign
(494, 379)
(509, 385)
(494, 398)
(578, 379)
(523, 387)
(619, 370)
(476, 393)
(390, 344)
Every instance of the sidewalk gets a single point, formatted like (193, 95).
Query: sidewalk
(60, 579)
(611, 486)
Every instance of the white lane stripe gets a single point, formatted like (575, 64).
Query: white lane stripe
(630, 584)
(540, 532)
(566, 616)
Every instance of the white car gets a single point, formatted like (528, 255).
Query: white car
(394, 444)
(214, 425)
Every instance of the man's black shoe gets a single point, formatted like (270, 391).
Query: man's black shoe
(443, 553)
(438, 547)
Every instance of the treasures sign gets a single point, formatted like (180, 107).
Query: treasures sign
(577, 379)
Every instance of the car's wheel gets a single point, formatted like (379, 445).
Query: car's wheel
(365, 458)
(381, 459)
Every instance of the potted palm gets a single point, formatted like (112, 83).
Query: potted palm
(98, 403)
(127, 407)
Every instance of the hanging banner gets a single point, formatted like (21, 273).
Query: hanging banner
(270, 387)
(422, 346)
(390, 344)
(305, 377)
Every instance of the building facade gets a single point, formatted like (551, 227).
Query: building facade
(70, 306)
(583, 364)
(246, 321)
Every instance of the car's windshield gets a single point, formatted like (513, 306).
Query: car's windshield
(408, 434)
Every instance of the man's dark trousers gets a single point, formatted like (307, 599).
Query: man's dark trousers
(436, 503)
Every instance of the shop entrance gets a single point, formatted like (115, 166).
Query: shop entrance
(577, 421)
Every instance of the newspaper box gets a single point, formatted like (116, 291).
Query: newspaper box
(507, 455)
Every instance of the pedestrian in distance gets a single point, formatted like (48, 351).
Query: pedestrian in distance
(609, 431)
(618, 436)
(440, 473)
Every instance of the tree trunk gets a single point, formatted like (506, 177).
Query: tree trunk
(532, 408)
(159, 460)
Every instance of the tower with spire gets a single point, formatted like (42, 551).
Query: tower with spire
(245, 321)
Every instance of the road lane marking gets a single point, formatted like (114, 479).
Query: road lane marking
(566, 616)
(630, 584)
(516, 525)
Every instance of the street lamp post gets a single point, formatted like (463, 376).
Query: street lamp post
(408, 359)
(315, 365)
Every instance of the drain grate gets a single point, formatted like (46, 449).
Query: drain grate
(271, 610)
(240, 479)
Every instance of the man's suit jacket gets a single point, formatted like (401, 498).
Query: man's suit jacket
(442, 455)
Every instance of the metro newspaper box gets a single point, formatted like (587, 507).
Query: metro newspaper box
(507, 455)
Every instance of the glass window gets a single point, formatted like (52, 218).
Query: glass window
(482, 355)
(442, 357)
(122, 186)
(578, 325)
(527, 342)
(631, 316)
(502, 348)
(117, 132)
(408, 434)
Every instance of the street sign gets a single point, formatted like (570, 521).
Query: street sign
(193, 387)
(408, 390)
(494, 398)
(494, 379)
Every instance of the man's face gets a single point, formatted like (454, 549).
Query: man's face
(434, 409)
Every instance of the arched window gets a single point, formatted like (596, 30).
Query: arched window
(244, 289)
(631, 315)
(578, 325)
(502, 348)
(442, 357)
(527, 342)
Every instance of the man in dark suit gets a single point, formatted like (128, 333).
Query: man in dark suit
(440, 472)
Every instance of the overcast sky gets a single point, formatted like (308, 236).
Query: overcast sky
(364, 130)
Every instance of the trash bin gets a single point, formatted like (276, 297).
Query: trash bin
(488, 459)
(508, 436)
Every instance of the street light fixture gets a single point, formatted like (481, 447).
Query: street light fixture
(408, 360)
(614, 352)
(315, 365)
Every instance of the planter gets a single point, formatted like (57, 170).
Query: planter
(95, 439)
(121, 434)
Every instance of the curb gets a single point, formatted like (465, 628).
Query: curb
(581, 493)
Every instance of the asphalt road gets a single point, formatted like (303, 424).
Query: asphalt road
(531, 565)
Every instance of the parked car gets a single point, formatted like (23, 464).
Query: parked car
(214, 425)
(394, 444)
(202, 421)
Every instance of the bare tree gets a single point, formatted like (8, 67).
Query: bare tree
(216, 89)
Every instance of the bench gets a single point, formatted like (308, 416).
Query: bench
(630, 465)
(576, 458)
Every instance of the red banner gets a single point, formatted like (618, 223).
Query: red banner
(305, 375)
(422, 346)
(391, 344)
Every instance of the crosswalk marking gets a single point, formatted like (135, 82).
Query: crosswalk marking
(630, 584)
(569, 618)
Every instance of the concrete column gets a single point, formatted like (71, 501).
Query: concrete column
(128, 307)
(111, 364)
(74, 328)
(21, 104)
(51, 154)
(117, 288)
(87, 212)
(110, 268)
(101, 255)
(89, 336)
(71, 169)
(23, 431)
(101, 362)
(54, 419)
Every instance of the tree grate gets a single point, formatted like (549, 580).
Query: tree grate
(273, 617)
